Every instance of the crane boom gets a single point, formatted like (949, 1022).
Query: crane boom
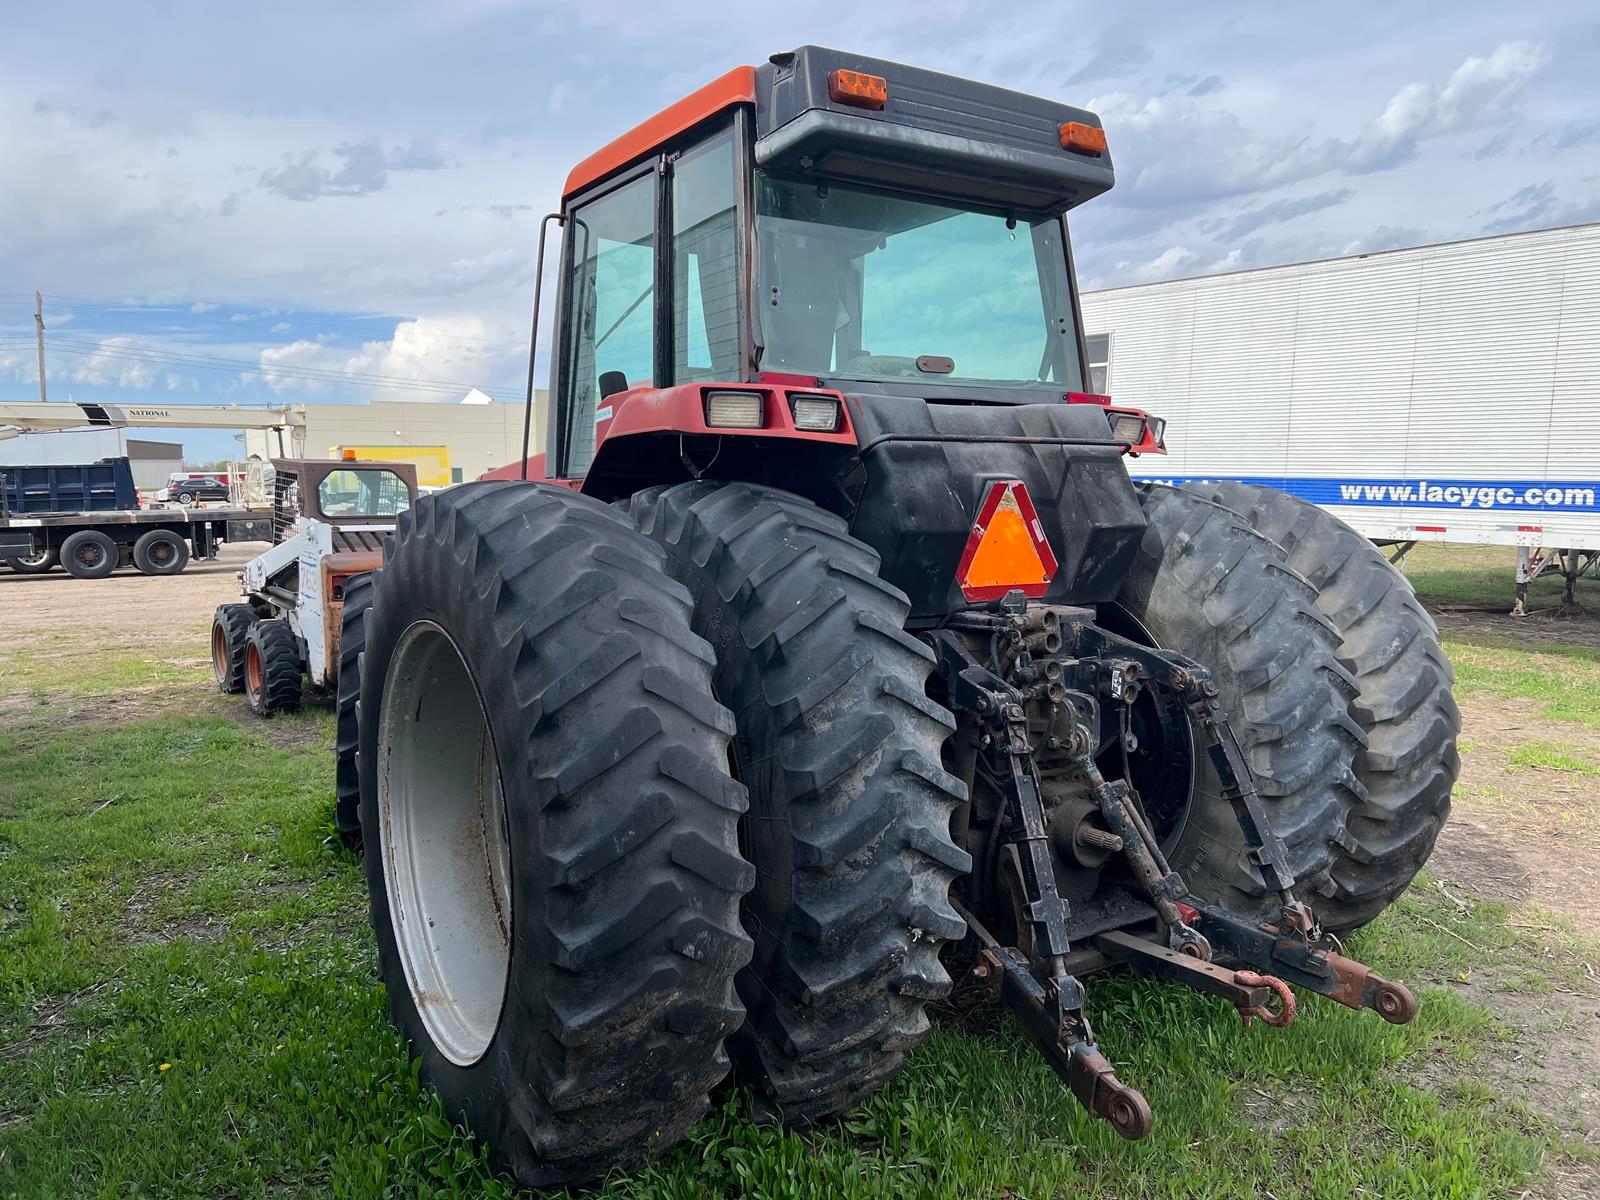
(19, 417)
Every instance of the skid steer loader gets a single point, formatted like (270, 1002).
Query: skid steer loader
(830, 650)
(329, 521)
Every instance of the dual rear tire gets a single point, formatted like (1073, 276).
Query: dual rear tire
(574, 910)
(91, 554)
(552, 799)
(550, 829)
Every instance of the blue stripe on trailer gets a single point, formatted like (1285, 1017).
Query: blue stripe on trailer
(1505, 495)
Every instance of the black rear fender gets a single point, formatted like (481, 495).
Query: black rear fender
(923, 469)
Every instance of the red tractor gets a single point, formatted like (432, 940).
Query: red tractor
(830, 652)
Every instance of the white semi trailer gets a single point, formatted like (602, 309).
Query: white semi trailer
(1446, 393)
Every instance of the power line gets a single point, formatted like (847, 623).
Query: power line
(195, 358)
(240, 366)
(519, 340)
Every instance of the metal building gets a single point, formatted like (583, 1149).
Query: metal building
(479, 436)
(1441, 393)
(151, 461)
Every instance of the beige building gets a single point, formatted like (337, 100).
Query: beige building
(479, 436)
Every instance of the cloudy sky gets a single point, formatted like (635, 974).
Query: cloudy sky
(242, 203)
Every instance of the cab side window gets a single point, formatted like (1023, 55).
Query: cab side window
(612, 326)
(705, 263)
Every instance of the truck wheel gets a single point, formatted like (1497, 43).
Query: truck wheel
(1391, 645)
(272, 668)
(160, 552)
(551, 829)
(352, 642)
(33, 564)
(1208, 586)
(230, 638)
(849, 825)
(89, 554)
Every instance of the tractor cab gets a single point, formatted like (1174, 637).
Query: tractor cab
(820, 271)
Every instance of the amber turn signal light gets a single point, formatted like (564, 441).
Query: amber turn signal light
(1083, 139)
(858, 89)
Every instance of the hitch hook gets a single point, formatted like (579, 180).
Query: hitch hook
(1280, 1018)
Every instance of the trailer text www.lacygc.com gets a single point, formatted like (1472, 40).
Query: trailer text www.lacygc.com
(1575, 496)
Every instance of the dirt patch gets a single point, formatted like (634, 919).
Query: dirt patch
(127, 614)
(49, 1019)
(286, 733)
(1523, 833)
(1548, 1058)
(122, 607)
(197, 929)
(1578, 628)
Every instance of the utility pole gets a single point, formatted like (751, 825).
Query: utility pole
(38, 321)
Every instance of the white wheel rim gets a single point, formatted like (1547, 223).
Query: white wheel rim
(442, 832)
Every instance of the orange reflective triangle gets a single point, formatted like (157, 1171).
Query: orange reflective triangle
(1005, 553)
(1007, 549)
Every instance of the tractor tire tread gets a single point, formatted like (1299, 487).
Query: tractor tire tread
(827, 686)
(1390, 645)
(1241, 611)
(347, 735)
(629, 938)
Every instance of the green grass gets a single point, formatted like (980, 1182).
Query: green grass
(168, 896)
(44, 673)
(1484, 575)
(1552, 757)
(1563, 680)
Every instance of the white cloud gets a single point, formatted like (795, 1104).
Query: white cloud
(1169, 262)
(1483, 85)
(1480, 89)
(282, 327)
(114, 364)
(1290, 104)
(202, 306)
(453, 353)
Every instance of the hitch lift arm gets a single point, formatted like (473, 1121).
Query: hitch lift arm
(1050, 1009)
(1045, 997)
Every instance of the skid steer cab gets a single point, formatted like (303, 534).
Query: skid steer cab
(329, 522)
(828, 654)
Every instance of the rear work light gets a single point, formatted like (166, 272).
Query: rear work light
(858, 89)
(815, 414)
(1083, 139)
(734, 410)
(1127, 428)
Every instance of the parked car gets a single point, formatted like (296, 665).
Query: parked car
(185, 489)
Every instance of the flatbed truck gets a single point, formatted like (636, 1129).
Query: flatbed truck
(85, 517)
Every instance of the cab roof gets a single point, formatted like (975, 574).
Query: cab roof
(931, 133)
